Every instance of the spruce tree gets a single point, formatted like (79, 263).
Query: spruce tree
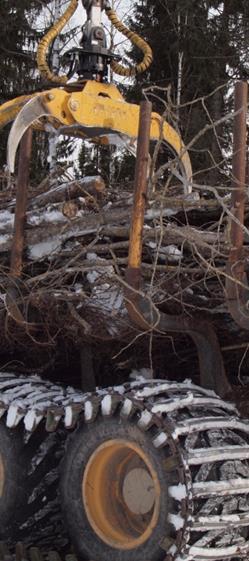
(18, 40)
(199, 47)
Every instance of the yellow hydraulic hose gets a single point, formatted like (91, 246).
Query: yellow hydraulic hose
(118, 68)
(135, 40)
(45, 43)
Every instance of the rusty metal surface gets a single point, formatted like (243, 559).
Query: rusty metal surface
(141, 186)
(140, 307)
(21, 204)
(237, 290)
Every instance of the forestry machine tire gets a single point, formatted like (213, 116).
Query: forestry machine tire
(115, 447)
(158, 471)
(29, 510)
(29, 507)
(11, 477)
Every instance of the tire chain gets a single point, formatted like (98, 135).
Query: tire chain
(206, 446)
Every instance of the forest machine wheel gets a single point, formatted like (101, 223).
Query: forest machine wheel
(159, 473)
(179, 462)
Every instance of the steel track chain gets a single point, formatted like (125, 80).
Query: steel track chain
(202, 436)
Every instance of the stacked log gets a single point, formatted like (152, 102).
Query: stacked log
(76, 247)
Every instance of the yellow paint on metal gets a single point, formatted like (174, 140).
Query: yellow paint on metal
(44, 45)
(2, 476)
(136, 40)
(57, 102)
(108, 482)
(10, 109)
(98, 106)
(100, 89)
(102, 106)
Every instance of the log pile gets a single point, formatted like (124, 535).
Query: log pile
(76, 247)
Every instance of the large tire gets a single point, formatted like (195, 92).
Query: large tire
(11, 476)
(88, 542)
(196, 446)
(29, 508)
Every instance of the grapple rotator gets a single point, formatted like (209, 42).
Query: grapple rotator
(92, 59)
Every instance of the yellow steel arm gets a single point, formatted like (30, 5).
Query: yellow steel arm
(98, 111)
(10, 109)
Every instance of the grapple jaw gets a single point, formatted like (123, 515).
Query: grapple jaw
(33, 111)
(99, 112)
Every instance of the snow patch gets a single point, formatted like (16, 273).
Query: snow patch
(106, 405)
(68, 416)
(160, 440)
(141, 375)
(14, 416)
(178, 492)
(6, 218)
(145, 419)
(88, 411)
(177, 521)
(126, 408)
(31, 420)
(43, 249)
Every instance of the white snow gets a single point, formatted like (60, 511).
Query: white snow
(52, 215)
(206, 423)
(145, 419)
(92, 256)
(202, 523)
(228, 487)
(204, 455)
(171, 252)
(88, 410)
(176, 520)
(173, 550)
(120, 389)
(92, 276)
(178, 492)
(172, 386)
(106, 405)
(141, 375)
(4, 238)
(126, 408)
(216, 553)
(68, 416)
(160, 440)
(43, 249)
(105, 296)
(32, 420)
(180, 403)
(6, 219)
(14, 416)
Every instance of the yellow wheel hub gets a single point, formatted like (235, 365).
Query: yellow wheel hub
(121, 494)
(1, 476)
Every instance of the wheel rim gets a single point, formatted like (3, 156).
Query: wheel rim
(121, 494)
(1, 476)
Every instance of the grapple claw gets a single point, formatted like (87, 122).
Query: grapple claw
(31, 112)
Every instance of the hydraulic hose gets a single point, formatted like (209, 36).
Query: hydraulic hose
(44, 45)
(135, 40)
